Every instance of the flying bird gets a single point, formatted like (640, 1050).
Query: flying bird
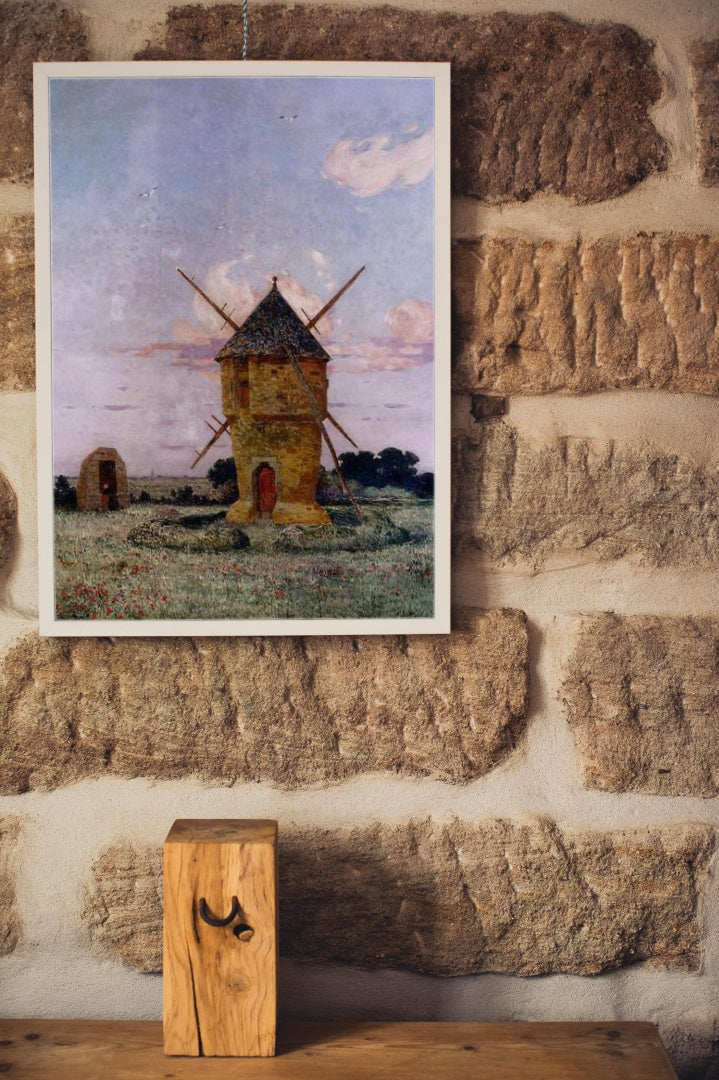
(148, 194)
(220, 226)
(289, 118)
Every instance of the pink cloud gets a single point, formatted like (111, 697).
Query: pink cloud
(151, 349)
(196, 343)
(186, 333)
(371, 165)
(186, 354)
(378, 354)
(412, 320)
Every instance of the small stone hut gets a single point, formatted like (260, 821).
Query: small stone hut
(102, 483)
(276, 439)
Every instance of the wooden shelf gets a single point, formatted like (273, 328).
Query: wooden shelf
(120, 1050)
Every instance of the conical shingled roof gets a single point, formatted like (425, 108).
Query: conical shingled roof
(272, 328)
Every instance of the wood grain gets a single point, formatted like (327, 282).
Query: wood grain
(117, 1050)
(220, 987)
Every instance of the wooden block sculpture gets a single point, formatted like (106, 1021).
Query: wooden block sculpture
(220, 938)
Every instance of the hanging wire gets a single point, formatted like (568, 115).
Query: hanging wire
(244, 29)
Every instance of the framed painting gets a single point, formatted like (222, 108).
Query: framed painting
(243, 324)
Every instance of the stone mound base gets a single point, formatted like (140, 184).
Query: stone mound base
(344, 533)
(212, 532)
(196, 532)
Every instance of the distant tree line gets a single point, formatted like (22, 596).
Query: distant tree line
(65, 496)
(390, 468)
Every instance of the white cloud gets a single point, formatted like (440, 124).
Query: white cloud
(241, 295)
(368, 166)
(302, 300)
(412, 320)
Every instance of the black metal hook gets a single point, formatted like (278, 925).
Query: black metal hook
(206, 917)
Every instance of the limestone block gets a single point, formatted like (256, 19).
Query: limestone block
(123, 904)
(516, 500)
(705, 62)
(17, 302)
(522, 897)
(28, 34)
(642, 698)
(536, 317)
(8, 519)
(290, 711)
(9, 918)
(539, 102)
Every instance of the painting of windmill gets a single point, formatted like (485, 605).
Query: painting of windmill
(274, 397)
(243, 357)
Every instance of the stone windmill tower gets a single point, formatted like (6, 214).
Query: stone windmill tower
(274, 397)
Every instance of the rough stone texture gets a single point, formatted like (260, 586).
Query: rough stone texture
(17, 303)
(9, 919)
(123, 904)
(515, 500)
(519, 897)
(705, 60)
(28, 34)
(642, 697)
(539, 102)
(291, 711)
(535, 317)
(8, 519)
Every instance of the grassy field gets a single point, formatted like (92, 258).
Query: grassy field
(286, 573)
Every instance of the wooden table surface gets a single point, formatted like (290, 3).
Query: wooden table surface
(123, 1050)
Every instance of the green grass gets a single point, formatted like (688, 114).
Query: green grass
(284, 574)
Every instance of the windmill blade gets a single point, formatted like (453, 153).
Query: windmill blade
(331, 303)
(341, 430)
(313, 322)
(216, 307)
(217, 435)
(317, 413)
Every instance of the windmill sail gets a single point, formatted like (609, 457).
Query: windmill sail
(217, 434)
(341, 430)
(215, 307)
(331, 303)
(312, 322)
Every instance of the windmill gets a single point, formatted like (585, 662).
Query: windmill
(274, 397)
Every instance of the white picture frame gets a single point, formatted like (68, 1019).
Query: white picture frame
(239, 173)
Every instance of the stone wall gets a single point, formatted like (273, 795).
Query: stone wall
(534, 794)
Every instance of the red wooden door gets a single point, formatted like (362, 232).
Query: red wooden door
(266, 490)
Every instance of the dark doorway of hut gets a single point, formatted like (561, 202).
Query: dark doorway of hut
(265, 491)
(108, 485)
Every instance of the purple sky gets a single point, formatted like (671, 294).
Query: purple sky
(235, 180)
